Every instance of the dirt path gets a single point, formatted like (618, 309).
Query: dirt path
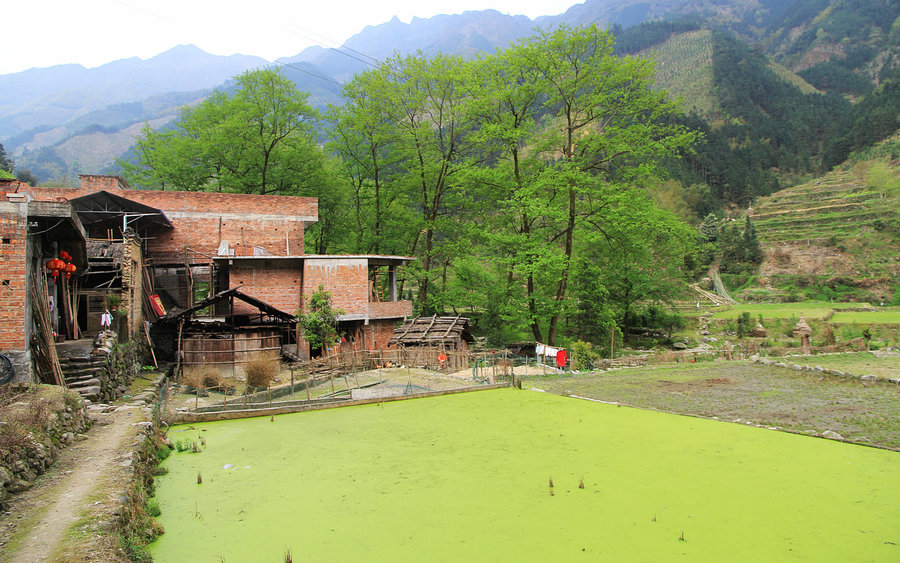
(35, 522)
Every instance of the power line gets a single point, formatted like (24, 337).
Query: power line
(305, 33)
(325, 78)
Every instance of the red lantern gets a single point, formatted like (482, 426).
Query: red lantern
(70, 268)
(65, 256)
(55, 265)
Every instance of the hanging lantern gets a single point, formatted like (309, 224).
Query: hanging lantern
(65, 256)
(55, 266)
(69, 269)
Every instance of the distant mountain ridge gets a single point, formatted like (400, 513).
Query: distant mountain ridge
(55, 95)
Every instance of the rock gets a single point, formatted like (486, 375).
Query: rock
(18, 485)
(832, 435)
(679, 346)
(91, 393)
(895, 380)
(5, 476)
(869, 377)
(754, 358)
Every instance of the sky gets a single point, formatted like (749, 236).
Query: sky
(42, 33)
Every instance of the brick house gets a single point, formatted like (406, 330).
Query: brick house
(184, 247)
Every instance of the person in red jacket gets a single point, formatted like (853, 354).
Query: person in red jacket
(561, 359)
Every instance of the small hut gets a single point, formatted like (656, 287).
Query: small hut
(448, 333)
(759, 332)
(803, 332)
(227, 343)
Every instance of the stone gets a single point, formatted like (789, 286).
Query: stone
(754, 358)
(18, 485)
(5, 476)
(679, 346)
(832, 435)
(869, 377)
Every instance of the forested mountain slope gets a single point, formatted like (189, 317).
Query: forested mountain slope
(731, 62)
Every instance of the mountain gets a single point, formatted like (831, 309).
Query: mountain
(733, 62)
(42, 97)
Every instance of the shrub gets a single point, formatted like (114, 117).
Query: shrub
(583, 355)
(261, 371)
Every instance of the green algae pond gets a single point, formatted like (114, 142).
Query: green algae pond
(510, 475)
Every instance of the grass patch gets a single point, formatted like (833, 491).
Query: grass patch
(802, 402)
(809, 309)
(867, 317)
(860, 363)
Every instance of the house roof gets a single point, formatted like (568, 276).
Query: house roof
(233, 293)
(105, 207)
(432, 330)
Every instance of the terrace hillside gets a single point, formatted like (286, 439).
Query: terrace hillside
(840, 232)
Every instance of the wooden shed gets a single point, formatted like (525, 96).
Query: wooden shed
(448, 333)
(228, 343)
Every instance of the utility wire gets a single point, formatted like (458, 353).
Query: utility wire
(318, 38)
(303, 70)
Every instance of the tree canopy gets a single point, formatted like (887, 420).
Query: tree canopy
(519, 179)
(257, 137)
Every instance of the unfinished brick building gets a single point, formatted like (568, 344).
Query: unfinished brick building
(183, 247)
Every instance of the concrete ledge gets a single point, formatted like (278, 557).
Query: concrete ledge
(189, 417)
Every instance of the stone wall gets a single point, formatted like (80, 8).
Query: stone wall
(35, 426)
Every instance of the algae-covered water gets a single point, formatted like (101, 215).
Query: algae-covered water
(467, 477)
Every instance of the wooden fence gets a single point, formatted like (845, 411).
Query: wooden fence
(230, 351)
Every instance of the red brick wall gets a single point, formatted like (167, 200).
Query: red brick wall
(388, 309)
(346, 278)
(380, 332)
(203, 219)
(275, 282)
(13, 279)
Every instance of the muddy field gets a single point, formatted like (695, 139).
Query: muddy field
(743, 392)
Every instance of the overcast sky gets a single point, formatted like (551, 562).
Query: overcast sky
(41, 33)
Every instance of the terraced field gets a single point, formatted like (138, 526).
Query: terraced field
(835, 231)
(838, 205)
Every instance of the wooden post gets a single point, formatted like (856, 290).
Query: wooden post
(612, 343)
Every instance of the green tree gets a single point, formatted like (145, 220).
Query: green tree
(6, 163)
(371, 164)
(709, 228)
(596, 140)
(751, 249)
(638, 258)
(421, 105)
(318, 320)
(255, 138)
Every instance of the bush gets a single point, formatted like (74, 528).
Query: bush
(584, 355)
(261, 371)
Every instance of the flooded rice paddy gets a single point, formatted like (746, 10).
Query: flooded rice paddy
(525, 476)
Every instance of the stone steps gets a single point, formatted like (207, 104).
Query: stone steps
(88, 376)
